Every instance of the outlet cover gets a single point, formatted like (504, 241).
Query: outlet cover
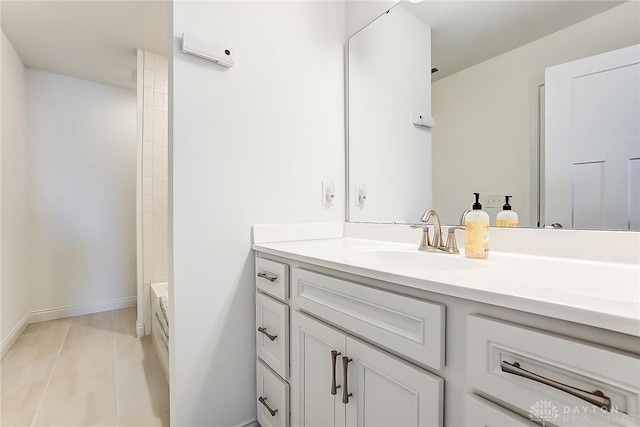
(328, 193)
(493, 201)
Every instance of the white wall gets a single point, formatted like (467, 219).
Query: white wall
(359, 13)
(389, 82)
(14, 207)
(83, 174)
(250, 145)
(486, 116)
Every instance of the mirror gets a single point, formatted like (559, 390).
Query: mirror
(419, 140)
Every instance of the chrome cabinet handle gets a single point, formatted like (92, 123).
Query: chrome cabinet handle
(264, 331)
(595, 398)
(269, 278)
(345, 392)
(263, 400)
(334, 387)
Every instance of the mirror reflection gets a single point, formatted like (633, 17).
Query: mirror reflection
(536, 100)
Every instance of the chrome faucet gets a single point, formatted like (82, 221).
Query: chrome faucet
(437, 244)
(437, 227)
(463, 216)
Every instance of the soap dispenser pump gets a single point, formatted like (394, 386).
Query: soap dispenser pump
(476, 236)
(507, 217)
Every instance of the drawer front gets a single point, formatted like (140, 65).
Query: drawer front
(272, 278)
(555, 379)
(482, 413)
(272, 334)
(273, 398)
(408, 326)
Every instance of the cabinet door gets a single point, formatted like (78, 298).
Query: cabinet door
(312, 403)
(387, 391)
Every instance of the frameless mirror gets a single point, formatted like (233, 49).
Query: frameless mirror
(536, 100)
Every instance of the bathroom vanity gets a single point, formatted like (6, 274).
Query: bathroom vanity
(363, 332)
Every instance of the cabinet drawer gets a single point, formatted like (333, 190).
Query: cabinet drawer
(408, 326)
(555, 379)
(272, 334)
(481, 413)
(272, 278)
(273, 398)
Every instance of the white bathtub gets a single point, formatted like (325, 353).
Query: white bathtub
(159, 324)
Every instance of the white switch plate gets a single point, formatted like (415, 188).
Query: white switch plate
(492, 201)
(328, 188)
(359, 188)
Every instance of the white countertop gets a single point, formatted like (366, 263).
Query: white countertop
(600, 294)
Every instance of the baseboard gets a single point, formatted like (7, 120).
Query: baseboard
(81, 309)
(252, 423)
(139, 330)
(14, 334)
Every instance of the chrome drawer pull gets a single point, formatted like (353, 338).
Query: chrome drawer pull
(345, 392)
(263, 400)
(595, 398)
(269, 278)
(264, 331)
(334, 387)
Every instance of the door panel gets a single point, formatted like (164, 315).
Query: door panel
(312, 403)
(592, 134)
(388, 392)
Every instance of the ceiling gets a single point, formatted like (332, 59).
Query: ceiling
(465, 33)
(92, 40)
(97, 40)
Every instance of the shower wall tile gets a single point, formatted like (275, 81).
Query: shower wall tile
(155, 168)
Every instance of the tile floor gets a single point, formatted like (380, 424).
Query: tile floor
(83, 371)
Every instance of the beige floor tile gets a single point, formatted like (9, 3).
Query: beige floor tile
(25, 375)
(49, 326)
(135, 349)
(144, 419)
(152, 392)
(18, 420)
(78, 358)
(96, 321)
(22, 356)
(65, 385)
(84, 410)
(22, 400)
(124, 321)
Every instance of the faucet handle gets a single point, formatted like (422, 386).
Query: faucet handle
(452, 245)
(424, 244)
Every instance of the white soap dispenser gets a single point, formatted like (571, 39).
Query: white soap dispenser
(476, 235)
(507, 217)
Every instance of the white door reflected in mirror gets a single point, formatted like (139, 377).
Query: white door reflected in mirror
(593, 142)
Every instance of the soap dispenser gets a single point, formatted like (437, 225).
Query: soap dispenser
(507, 217)
(476, 235)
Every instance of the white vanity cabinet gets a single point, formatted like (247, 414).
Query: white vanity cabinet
(339, 349)
(337, 380)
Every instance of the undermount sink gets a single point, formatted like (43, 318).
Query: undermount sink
(410, 259)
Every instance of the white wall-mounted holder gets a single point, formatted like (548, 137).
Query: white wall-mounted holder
(361, 195)
(420, 119)
(328, 193)
(206, 50)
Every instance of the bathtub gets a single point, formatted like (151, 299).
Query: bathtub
(160, 323)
